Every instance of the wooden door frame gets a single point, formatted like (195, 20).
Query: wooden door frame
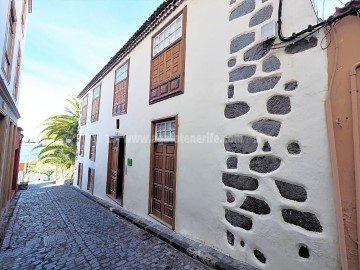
(121, 201)
(151, 174)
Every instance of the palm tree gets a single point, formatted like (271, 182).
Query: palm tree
(55, 150)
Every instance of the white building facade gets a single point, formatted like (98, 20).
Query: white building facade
(13, 21)
(204, 123)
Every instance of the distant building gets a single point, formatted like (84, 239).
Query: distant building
(212, 123)
(13, 21)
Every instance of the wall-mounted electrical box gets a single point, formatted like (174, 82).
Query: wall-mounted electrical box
(268, 31)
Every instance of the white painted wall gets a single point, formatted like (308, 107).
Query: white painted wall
(19, 41)
(200, 194)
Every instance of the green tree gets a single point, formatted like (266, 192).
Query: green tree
(54, 148)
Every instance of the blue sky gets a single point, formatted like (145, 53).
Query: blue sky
(69, 41)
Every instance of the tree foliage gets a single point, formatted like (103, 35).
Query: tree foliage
(54, 149)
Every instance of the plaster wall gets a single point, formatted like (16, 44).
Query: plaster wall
(19, 42)
(201, 198)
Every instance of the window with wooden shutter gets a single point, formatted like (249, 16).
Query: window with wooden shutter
(84, 105)
(17, 75)
(95, 104)
(168, 60)
(80, 173)
(23, 16)
(82, 144)
(121, 87)
(92, 147)
(9, 42)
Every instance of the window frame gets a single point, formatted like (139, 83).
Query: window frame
(95, 115)
(171, 130)
(17, 74)
(83, 118)
(93, 141)
(23, 16)
(114, 113)
(82, 145)
(9, 41)
(181, 77)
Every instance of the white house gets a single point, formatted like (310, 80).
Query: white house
(207, 123)
(13, 21)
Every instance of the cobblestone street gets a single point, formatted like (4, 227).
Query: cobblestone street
(56, 227)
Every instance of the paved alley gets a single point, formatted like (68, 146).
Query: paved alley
(55, 227)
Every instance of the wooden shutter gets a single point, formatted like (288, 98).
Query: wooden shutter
(17, 75)
(93, 147)
(82, 143)
(121, 88)
(95, 105)
(120, 97)
(168, 70)
(84, 110)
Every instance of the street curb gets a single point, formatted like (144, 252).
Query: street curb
(5, 219)
(198, 251)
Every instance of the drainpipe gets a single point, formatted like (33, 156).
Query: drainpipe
(356, 141)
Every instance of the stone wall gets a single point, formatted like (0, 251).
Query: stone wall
(274, 217)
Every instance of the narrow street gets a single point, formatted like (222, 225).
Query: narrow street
(55, 227)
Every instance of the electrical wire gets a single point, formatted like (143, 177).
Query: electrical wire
(311, 28)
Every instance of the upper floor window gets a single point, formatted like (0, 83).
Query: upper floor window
(9, 42)
(92, 147)
(17, 75)
(84, 104)
(95, 104)
(121, 90)
(82, 145)
(23, 16)
(168, 60)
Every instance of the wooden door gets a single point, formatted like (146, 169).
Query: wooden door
(113, 166)
(80, 173)
(91, 180)
(163, 184)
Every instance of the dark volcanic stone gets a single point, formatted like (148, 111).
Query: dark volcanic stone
(242, 73)
(230, 197)
(260, 256)
(261, 16)
(230, 238)
(291, 191)
(304, 252)
(265, 164)
(305, 220)
(271, 64)
(242, 243)
(238, 220)
(256, 206)
(230, 91)
(279, 105)
(232, 2)
(240, 144)
(244, 8)
(268, 127)
(259, 51)
(301, 45)
(240, 182)
(263, 84)
(241, 42)
(236, 109)
(290, 86)
(266, 147)
(231, 162)
(232, 62)
(294, 148)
